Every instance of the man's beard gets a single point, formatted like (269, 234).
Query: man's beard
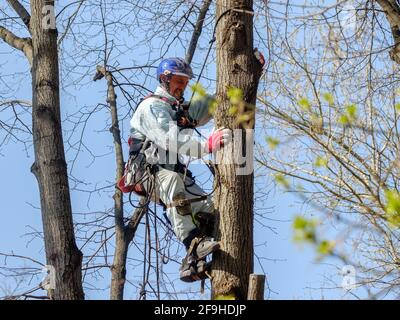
(178, 94)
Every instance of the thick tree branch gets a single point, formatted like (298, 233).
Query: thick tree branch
(392, 12)
(118, 269)
(21, 11)
(23, 44)
(130, 229)
(197, 31)
(112, 102)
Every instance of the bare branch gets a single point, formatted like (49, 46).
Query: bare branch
(21, 11)
(12, 255)
(25, 103)
(135, 220)
(197, 31)
(71, 20)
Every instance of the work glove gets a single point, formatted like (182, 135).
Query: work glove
(218, 139)
(259, 56)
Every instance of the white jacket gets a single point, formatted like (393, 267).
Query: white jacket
(155, 120)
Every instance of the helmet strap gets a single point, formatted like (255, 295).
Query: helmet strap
(165, 82)
(181, 100)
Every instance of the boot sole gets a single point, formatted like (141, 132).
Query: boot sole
(212, 250)
(188, 276)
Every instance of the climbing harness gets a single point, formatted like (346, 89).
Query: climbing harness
(139, 169)
(183, 118)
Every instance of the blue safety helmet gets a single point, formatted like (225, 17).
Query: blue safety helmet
(176, 66)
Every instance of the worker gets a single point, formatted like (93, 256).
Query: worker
(161, 130)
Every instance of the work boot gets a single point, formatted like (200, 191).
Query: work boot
(194, 270)
(199, 245)
(203, 246)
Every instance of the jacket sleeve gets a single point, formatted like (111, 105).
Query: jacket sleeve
(199, 108)
(158, 126)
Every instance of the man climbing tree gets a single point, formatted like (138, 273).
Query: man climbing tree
(161, 130)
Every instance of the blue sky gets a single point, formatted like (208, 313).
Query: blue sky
(292, 271)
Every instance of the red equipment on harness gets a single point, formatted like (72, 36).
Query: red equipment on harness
(136, 188)
(136, 169)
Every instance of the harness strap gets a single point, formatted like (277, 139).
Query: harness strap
(165, 99)
(184, 120)
(185, 202)
(193, 245)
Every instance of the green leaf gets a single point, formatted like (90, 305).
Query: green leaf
(351, 111)
(397, 107)
(393, 202)
(321, 162)
(304, 104)
(304, 229)
(344, 119)
(233, 110)
(329, 98)
(325, 247)
(392, 207)
(300, 188)
(280, 179)
(299, 222)
(272, 142)
(309, 236)
(235, 95)
(212, 106)
(350, 114)
(199, 89)
(244, 117)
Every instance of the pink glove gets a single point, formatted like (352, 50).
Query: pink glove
(217, 140)
(259, 56)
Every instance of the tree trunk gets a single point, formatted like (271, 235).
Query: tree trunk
(237, 67)
(256, 287)
(50, 167)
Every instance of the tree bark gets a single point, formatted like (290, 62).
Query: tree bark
(22, 44)
(392, 11)
(123, 239)
(256, 287)
(118, 269)
(50, 167)
(237, 67)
